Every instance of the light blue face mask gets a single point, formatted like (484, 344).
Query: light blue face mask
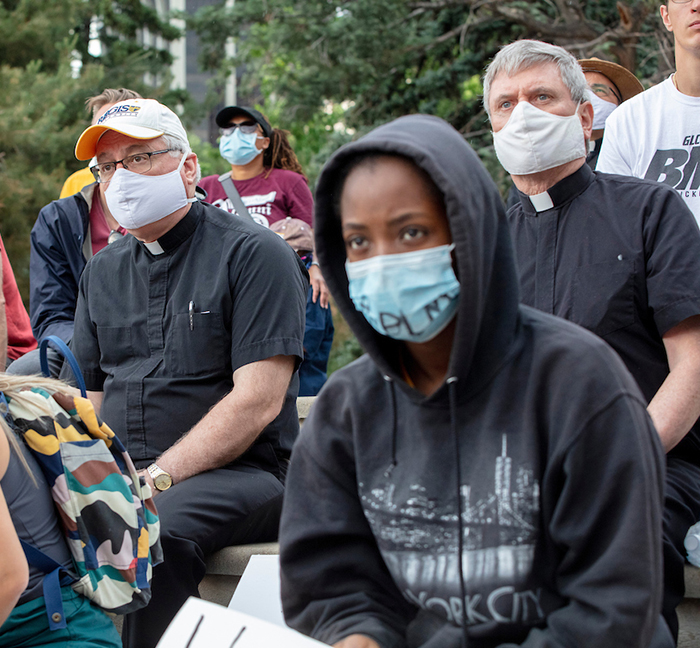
(239, 148)
(410, 296)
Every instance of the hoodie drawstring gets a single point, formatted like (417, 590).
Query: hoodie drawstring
(394, 424)
(452, 391)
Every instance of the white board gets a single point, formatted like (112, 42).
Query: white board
(258, 592)
(201, 624)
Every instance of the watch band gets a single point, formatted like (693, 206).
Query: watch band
(161, 480)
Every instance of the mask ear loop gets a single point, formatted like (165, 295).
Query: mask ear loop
(179, 168)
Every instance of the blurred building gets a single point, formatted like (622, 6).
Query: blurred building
(185, 68)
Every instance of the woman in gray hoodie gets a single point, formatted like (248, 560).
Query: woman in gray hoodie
(486, 475)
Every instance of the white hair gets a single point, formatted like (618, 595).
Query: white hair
(524, 54)
(176, 146)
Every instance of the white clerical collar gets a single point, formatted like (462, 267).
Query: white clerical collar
(541, 202)
(154, 248)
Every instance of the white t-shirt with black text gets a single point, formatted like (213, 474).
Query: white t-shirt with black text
(656, 135)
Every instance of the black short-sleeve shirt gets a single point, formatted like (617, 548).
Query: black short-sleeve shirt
(619, 256)
(161, 334)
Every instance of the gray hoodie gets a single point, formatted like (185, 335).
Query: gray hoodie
(518, 505)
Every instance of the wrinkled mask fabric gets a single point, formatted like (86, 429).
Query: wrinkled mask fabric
(534, 140)
(409, 296)
(136, 200)
(601, 110)
(239, 148)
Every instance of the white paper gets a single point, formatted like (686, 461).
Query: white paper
(258, 592)
(201, 624)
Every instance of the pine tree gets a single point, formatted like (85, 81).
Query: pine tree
(47, 71)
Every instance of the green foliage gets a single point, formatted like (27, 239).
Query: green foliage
(42, 106)
(345, 347)
(330, 70)
(386, 58)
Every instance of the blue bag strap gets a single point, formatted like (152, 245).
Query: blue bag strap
(63, 349)
(5, 409)
(51, 585)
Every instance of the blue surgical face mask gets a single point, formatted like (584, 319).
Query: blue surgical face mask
(410, 296)
(239, 148)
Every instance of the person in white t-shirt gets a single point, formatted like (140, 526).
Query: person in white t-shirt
(656, 135)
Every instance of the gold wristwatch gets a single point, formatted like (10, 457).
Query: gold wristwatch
(161, 480)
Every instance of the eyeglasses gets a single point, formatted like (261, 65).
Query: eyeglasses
(680, 1)
(246, 127)
(138, 163)
(603, 91)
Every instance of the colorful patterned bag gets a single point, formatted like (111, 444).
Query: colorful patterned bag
(107, 515)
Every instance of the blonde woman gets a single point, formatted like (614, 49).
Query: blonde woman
(27, 512)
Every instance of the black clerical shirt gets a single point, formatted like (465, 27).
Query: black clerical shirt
(619, 256)
(161, 328)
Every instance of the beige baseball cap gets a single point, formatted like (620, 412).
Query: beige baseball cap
(138, 118)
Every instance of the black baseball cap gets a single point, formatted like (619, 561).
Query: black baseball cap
(223, 119)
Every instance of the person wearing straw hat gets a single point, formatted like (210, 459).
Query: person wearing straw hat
(610, 85)
(655, 135)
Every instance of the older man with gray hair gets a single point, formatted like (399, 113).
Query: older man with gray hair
(616, 255)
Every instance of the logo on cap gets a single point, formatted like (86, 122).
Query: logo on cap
(120, 111)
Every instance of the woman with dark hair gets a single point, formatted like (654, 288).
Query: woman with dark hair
(486, 475)
(266, 175)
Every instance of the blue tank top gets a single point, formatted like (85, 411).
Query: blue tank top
(34, 516)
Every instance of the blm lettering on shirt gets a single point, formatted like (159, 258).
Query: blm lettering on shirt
(678, 168)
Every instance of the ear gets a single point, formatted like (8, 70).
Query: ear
(264, 143)
(663, 10)
(189, 172)
(585, 113)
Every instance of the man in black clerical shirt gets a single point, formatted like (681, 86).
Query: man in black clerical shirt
(617, 255)
(189, 334)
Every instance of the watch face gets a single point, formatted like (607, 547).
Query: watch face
(163, 482)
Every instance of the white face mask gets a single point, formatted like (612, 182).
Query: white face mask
(601, 110)
(136, 200)
(534, 140)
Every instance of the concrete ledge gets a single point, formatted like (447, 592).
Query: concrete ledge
(692, 582)
(304, 404)
(231, 561)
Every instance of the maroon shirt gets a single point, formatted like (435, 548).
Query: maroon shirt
(282, 194)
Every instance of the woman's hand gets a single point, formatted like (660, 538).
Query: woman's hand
(356, 641)
(320, 289)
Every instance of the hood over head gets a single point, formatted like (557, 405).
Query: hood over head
(488, 309)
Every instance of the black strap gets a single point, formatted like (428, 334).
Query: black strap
(234, 196)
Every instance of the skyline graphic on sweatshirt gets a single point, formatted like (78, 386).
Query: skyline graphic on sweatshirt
(419, 540)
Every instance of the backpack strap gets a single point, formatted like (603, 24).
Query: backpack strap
(53, 581)
(234, 196)
(65, 351)
(5, 408)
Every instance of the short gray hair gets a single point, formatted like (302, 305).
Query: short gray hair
(524, 54)
(176, 145)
